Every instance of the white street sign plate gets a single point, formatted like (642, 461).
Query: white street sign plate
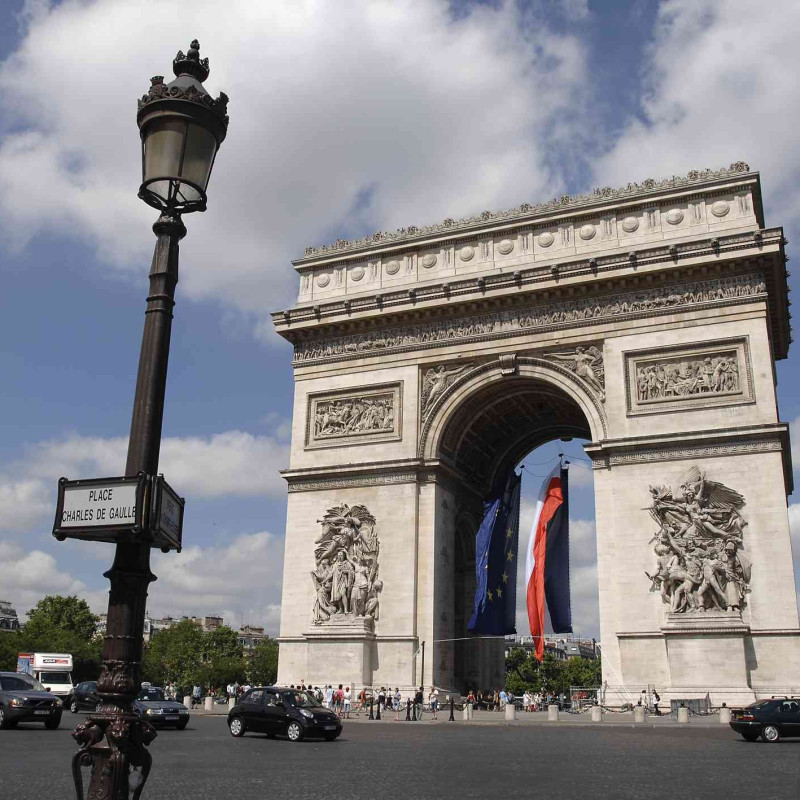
(99, 505)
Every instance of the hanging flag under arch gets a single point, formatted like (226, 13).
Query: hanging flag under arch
(547, 560)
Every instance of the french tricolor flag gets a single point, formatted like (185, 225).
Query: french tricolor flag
(547, 560)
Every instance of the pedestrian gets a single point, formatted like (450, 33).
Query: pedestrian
(382, 699)
(338, 699)
(502, 699)
(433, 701)
(197, 693)
(656, 701)
(396, 698)
(346, 699)
(328, 694)
(419, 699)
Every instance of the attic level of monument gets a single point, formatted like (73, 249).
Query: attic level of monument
(676, 232)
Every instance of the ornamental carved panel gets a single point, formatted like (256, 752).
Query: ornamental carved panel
(354, 416)
(689, 376)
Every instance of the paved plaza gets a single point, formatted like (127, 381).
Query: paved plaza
(390, 759)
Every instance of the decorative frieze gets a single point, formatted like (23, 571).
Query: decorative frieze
(587, 364)
(353, 416)
(699, 545)
(694, 376)
(500, 324)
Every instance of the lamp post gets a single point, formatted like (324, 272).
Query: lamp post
(181, 128)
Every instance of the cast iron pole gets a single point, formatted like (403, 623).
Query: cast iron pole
(114, 740)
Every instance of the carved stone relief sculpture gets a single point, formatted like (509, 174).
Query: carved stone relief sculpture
(699, 546)
(436, 380)
(345, 574)
(351, 417)
(587, 364)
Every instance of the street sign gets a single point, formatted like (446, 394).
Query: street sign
(166, 519)
(100, 509)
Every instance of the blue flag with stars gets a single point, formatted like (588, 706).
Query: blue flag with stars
(496, 545)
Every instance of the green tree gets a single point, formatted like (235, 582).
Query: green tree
(262, 667)
(69, 614)
(175, 654)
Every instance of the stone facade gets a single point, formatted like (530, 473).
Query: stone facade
(429, 362)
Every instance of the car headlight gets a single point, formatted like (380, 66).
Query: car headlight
(306, 713)
(15, 702)
(155, 710)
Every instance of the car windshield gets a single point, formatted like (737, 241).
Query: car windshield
(302, 700)
(151, 693)
(20, 683)
(56, 677)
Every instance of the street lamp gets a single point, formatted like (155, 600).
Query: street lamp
(181, 127)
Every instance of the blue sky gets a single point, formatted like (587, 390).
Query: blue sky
(345, 119)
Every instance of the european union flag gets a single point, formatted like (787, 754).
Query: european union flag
(496, 544)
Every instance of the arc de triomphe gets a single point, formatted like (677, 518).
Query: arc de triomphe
(428, 362)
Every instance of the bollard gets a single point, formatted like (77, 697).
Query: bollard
(378, 715)
(408, 710)
(371, 715)
(209, 704)
(452, 718)
(683, 714)
(465, 712)
(724, 716)
(597, 714)
(511, 712)
(552, 713)
(638, 713)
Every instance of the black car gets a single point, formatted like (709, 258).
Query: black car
(768, 719)
(84, 697)
(24, 699)
(275, 710)
(152, 705)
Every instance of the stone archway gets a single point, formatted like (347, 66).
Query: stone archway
(429, 361)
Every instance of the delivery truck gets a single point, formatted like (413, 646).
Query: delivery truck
(52, 670)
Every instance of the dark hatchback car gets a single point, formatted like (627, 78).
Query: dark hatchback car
(24, 699)
(152, 705)
(768, 719)
(275, 710)
(84, 697)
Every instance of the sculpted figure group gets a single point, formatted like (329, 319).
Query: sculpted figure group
(346, 571)
(566, 312)
(353, 415)
(687, 377)
(699, 546)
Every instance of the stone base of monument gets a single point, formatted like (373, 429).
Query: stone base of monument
(706, 654)
(340, 650)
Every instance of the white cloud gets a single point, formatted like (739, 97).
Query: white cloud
(28, 575)
(720, 87)
(241, 581)
(344, 117)
(233, 463)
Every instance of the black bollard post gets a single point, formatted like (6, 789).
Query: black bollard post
(378, 715)
(452, 718)
(371, 715)
(408, 710)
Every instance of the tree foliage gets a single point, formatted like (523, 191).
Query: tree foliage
(68, 614)
(524, 672)
(263, 663)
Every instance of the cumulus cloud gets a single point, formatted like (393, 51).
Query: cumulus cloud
(345, 117)
(28, 575)
(719, 87)
(233, 463)
(240, 581)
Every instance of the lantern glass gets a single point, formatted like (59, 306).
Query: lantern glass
(198, 155)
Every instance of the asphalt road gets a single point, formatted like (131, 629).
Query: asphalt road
(413, 760)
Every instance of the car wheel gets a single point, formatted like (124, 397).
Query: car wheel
(750, 737)
(236, 726)
(73, 706)
(52, 723)
(769, 733)
(294, 731)
(5, 722)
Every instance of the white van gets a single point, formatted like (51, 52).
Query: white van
(52, 670)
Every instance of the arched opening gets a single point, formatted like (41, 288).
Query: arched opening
(487, 430)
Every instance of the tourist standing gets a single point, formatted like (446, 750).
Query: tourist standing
(433, 701)
(346, 700)
(397, 697)
(419, 699)
(329, 697)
